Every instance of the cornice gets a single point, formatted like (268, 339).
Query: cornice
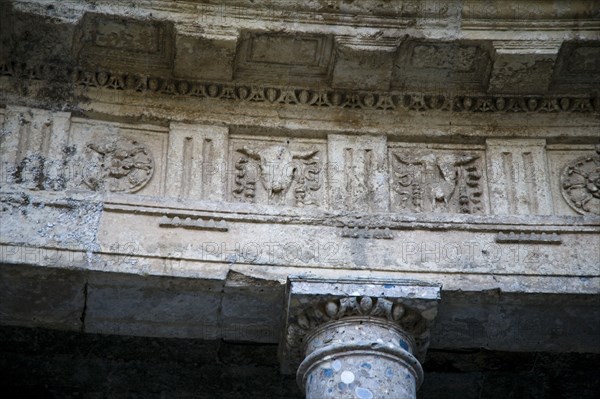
(472, 13)
(302, 96)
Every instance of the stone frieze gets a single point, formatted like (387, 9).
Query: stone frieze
(366, 174)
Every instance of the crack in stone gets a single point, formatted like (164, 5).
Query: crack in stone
(84, 310)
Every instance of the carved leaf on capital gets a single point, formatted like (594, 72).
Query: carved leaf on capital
(580, 184)
(122, 165)
(415, 322)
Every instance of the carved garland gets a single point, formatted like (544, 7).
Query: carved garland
(303, 96)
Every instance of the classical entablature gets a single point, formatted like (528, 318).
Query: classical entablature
(180, 160)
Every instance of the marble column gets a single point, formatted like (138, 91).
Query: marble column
(357, 338)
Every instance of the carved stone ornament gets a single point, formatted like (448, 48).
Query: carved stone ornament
(449, 182)
(123, 165)
(321, 98)
(580, 184)
(409, 305)
(278, 170)
(410, 320)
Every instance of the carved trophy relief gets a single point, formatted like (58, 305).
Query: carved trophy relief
(122, 165)
(580, 184)
(437, 182)
(277, 175)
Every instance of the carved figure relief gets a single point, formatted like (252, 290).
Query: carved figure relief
(286, 177)
(122, 166)
(437, 182)
(580, 184)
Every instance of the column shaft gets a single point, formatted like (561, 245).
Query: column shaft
(359, 357)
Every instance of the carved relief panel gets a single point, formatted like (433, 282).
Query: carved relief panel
(358, 173)
(117, 157)
(518, 177)
(277, 171)
(196, 164)
(437, 178)
(34, 148)
(119, 165)
(575, 176)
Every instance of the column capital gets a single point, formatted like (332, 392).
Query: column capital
(409, 305)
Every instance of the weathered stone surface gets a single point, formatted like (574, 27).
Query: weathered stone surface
(580, 182)
(517, 170)
(314, 304)
(523, 66)
(209, 58)
(194, 167)
(277, 171)
(50, 41)
(355, 67)
(357, 337)
(284, 58)
(441, 66)
(171, 164)
(573, 170)
(358, 173)
(577, 66)
(53, 299)
(117, 157)
(433, 180)
(34, 148)
(112, 41)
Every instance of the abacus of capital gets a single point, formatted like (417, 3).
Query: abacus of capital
(357, 338)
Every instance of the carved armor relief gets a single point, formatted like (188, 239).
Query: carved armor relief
(277, 171)
(437, 178)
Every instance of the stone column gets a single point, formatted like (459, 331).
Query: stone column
(357, 338)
